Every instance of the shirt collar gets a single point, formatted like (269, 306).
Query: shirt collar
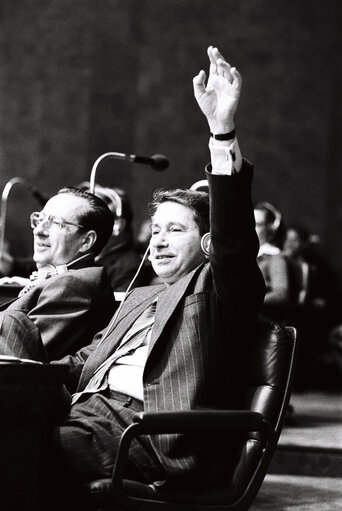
(268, 249)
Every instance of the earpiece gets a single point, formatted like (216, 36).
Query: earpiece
(205, 243)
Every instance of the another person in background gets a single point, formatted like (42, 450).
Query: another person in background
(68, 299)
(270, 260)
(306, 283)
(120, 256)
(314, 299)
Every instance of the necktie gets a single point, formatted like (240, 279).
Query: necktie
(134, 338)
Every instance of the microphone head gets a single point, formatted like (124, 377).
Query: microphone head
(159, 162)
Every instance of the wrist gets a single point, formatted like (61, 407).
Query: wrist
(219, 128)
(230, 135)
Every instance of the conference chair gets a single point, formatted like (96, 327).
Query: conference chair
(270, 372)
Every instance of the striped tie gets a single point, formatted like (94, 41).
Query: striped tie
(134, 338)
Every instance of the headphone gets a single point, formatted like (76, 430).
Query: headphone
(205, 243)
(114, 202)
(111, 193)
(274, 226)
(203, 183)
(112, 199)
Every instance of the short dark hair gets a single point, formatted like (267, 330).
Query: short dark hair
(97, 216)
(195, 200)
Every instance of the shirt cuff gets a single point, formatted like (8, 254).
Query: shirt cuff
(225, 159)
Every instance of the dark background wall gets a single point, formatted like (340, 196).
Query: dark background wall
(81, 77)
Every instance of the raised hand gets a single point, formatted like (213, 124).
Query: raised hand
(219, 99)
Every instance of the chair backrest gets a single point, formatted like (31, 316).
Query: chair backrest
(271, 371)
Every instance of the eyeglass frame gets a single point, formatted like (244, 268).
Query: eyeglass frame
(61, 223)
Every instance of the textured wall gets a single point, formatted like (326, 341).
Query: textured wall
(82, 77)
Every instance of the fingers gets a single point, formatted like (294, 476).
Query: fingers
(218, 67)
(199, 84)
(224, 69)
(213, 66)
(237, 79)
(218, 64)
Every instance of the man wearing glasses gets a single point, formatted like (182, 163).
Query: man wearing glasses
(68, 299)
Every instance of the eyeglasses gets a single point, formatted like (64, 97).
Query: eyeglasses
(51, 221)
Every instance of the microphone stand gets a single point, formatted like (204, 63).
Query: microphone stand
(3, 210)
(120, 156)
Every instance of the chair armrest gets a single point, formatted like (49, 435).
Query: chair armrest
(197, 420)
(182, 422)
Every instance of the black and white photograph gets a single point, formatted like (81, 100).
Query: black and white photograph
(170, 255)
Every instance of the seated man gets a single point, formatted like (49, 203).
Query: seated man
(178, 345)
(270, 260)
(68, 299)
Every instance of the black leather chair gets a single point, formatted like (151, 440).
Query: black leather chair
(261, 417)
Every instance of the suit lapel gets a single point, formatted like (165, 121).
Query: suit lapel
(167, 302)
(136, 303)
(6, 304)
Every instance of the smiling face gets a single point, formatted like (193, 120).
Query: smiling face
(54, 245)
(175, 246)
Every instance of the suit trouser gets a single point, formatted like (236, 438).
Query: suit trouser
(89, 437)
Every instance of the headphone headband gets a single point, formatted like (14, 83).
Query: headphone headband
(275, 213)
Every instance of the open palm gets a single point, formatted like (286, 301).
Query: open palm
(219, 99)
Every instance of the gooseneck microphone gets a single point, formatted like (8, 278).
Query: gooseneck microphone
(42, 199)
(157, 162)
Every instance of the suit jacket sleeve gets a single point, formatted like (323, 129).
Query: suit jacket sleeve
(76, 362)
(238, 282)
(61, 313)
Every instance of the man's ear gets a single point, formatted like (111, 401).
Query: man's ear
(88, 241)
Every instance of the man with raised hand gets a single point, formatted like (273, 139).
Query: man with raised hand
(179, 345)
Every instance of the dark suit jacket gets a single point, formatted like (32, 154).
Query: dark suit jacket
(68, 309)
(202, 327)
